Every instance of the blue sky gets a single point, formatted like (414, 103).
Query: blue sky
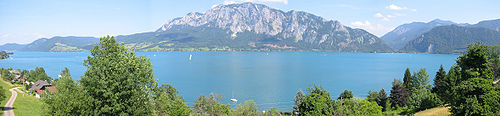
(23, 21)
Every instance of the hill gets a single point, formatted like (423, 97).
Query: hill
(452, 39)
(402, 34)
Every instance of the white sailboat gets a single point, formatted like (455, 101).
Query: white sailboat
(233, 99)
(190, 56)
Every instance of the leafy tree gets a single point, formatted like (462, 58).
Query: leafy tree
(38, 74)
(6, 75)
(118, 82)
(474, 93)
(358, 107)
(298, 99)
(211, 106)
(68, 98)
(167, 102)
(272, 112)
(249, 108)
(398, 96)
(317, 102)
(2, 94)
(422, 99)
(346, 94)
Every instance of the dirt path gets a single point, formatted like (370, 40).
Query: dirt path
(8, 109)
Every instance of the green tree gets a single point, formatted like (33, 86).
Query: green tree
(317, 102)
(118, 82)
(38, 74)
(272, 112)
(2, 93)
(211, 106)
(358, 107)
(474, 93)
(249, 108)
(68, 98)
(346, 94)
(422, 99)
(298, 99)
(407, 80)
(372, 96)
(382, 99)
(167, 102)
(441, 85)
(420, 80)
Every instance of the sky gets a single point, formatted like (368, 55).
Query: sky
(23, 21)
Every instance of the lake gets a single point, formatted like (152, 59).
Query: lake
(271, 79)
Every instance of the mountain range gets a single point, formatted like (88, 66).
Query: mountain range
(402, 34)
(245, 26)
(256, 27)
(454, 38)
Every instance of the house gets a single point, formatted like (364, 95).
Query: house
(15, 71)
(51, 88)
(39, 86)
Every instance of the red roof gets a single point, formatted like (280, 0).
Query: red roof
(39, 91)
(51, 88)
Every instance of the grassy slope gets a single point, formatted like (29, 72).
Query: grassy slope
(27, 105)
(6, 86)
(438, 111)
(24, 105)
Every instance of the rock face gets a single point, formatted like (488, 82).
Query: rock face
(292, 27)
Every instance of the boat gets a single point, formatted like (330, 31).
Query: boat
(190, 56)
(234, 100)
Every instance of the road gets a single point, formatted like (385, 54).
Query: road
(8, 109)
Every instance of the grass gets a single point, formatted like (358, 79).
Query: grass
(438, 111)
(6, 86)
(24, 105)
(27, 105)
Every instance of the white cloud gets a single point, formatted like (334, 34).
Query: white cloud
(377, 29)
(239, 1)
(395, 7)
(379, 15)
(361, 24)
(384, 18)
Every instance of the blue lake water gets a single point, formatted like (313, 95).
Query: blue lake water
(271, 79)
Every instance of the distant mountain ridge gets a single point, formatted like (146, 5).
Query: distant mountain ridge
(402, 34)
(454, 38)
(245, 26)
